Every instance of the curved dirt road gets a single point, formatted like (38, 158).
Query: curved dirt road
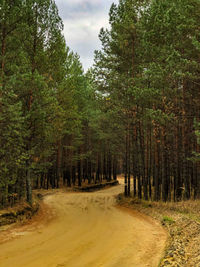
(87, 231)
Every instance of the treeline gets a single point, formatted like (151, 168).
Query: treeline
(51, 117)
(149, 71)
(137, 110)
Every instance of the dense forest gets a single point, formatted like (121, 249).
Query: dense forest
(149, 66)
(136, 111)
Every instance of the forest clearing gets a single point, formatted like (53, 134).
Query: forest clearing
(85, 230)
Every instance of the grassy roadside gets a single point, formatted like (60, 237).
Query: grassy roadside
(182, 221)
(19, 213)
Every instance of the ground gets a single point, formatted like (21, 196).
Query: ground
(84, 229)
(182, 221)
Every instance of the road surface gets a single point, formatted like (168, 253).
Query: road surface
(86, 230)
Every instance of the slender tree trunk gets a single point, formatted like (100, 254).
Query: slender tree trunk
(28, 183)
(79, 168)
(129, 163)
(3, 53)
(126, 167)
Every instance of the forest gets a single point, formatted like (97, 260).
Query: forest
(136, 112)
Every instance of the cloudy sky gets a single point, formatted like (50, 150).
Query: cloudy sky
(83, 20)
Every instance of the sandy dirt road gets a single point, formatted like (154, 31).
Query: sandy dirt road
(87, 231)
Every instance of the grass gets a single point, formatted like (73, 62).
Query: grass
(167, 219)
(146, 204)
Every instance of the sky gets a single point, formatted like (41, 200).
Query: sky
(83, 20)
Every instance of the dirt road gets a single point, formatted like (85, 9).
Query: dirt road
(87, 231)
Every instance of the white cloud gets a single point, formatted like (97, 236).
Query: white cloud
(83, 20)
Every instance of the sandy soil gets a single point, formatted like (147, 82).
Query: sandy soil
(85, 229)
(182, 221)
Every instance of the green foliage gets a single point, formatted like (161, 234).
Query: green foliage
(42, 91)
(148, 68)
(142, 90)
(168, 220)
(12, 156)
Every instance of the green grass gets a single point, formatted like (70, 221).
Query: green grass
(167, 219)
